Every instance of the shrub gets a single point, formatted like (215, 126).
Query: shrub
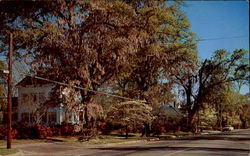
(33, 132)
(67, 129)
(42, 131)
(157, 130)
(23, 131)
(121, 131)
(170, 127)
(3, 133)
(104, 127)
(56, 130)
(138, 129)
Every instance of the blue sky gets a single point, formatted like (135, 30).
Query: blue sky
(224, 23)
(228, 20)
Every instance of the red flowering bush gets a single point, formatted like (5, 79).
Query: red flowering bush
(67, 129)
(24, 131)
(42, 131)
(104, 127)
(138, 129)
(56, 131)
(3, 133)
(170, 127)
(33, 132)
(121, 131)
(158, 129)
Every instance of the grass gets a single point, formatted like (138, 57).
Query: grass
(101, 139)
(4, 151)
(114, 137)
(183, 133)
(22, 141)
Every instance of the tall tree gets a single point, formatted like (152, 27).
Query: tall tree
(3, 92)
(99, 41)
(168, 41)
(203, 84)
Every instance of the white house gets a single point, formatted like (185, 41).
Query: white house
(32, 93)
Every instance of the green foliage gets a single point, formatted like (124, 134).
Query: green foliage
(165, 42)
(140, 49)
(208, 117)
(210, 81)
(133, 45)
(233, 105)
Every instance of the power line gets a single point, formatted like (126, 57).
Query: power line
(77, 87)
(221, 38)
(90, 90)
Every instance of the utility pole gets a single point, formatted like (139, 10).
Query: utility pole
(10, 92)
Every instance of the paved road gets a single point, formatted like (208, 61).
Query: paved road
(235, 143)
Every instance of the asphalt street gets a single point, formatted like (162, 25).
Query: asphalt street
(236, 143)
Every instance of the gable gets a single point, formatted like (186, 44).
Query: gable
(28, 80)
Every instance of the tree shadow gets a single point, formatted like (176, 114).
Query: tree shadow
(214, 137)
(169, 148)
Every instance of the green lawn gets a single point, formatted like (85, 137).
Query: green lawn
(114, 137)
(101, 139)
(4, 151)
(22, 141)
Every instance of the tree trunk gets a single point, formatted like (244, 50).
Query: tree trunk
(86, 99)
(146, 130)
(191, 118)
(189, 105)
(86, 117)
(243, 122)
(219, 116)
(191, 121)
(126, 131)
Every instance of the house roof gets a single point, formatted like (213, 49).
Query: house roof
(170, 110)
(28, 80)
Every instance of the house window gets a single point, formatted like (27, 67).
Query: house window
(32, 118)
(42, 98)
(25, 99)
(70, 117)
(81, 116)
(52, 117)
(33, 98)
(25, 117)
(44, 118)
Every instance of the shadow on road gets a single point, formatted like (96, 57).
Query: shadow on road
(217, 138)
(163, 147)
(231, 136)
(173, 148)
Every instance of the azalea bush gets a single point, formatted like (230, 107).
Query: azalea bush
(104, 127)
(3, 133)
(158, 129)
(56, 130)
(67, 129)
(26, 131)
(41, 131)
(121, 131)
